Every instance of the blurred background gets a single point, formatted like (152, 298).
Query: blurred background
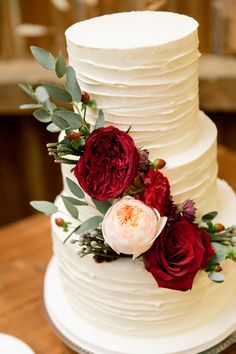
(26, 171)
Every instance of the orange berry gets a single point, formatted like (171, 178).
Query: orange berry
(85, 97)
(59, 222)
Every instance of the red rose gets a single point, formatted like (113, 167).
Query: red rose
(178, 254)
(156, 192)
(109, 163)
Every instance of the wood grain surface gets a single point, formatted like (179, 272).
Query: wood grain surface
(25, 250)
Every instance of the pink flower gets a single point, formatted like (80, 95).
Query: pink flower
(131, 227)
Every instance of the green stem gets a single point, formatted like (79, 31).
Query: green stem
(70, 234)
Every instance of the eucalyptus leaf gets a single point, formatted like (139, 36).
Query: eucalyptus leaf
(60, 122)
(43, 57)
(73, 119)
(42, 115)
(70, 207)
(75, 188)
(28, 89)
(41, 94)
(72, 84)
(100, 120)
(217, 277)
(58, 92)
(75, 201)
(50, 106)
(45, 207)
(102, 205)
(210, 216)
(53, 128)
(30, 106)
(221, 252)
(90, 224)
(60, 67)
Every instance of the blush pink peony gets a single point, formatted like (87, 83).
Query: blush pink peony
(131, 227)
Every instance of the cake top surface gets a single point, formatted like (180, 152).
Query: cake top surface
(134, 29)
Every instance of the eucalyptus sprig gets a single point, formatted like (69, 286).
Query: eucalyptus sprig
(59, 118)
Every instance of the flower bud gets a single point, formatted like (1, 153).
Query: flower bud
(158, 164)
(218, 227)
(218, 268)
(85, 97)
(73, 136)
(59, 222)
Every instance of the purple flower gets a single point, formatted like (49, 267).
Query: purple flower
(188, 210)
(144, 160)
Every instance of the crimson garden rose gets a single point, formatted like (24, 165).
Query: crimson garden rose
(109, 163)
(179, 252)
(156, 192)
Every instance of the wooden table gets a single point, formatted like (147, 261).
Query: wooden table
(25, 249)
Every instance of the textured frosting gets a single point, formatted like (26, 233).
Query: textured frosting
(122, 296)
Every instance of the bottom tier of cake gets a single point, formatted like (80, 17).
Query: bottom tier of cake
(123, 297)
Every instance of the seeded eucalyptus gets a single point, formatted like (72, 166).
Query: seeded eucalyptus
(92, 241)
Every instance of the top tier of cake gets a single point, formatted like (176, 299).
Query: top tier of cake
(142, 70)
(145, 70)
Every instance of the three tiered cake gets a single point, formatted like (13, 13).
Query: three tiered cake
(141, 68)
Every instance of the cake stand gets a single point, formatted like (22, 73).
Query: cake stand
(86, 338)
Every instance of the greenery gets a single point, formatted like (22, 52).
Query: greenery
(48, 98)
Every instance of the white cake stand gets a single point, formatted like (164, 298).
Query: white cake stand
(86, 338)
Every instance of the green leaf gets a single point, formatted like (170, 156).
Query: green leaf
(73, 119)
(60, 122)
(50, 106)
(75, 188)
(28, 89)
(30, 106)
(45, 207)
(41, 94)
(221, 252)
(210, 216)
(100, 121)
(75, 201)
(42, 115)
(60, 67)
(72, 84)
(53, 128)
(217, 277)
(57, 92)
(43, 57)
(102, 205)
(70, 208)
(90, 224)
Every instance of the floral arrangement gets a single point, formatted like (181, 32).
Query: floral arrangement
(137, 214)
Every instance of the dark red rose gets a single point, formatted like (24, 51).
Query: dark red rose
(209, 250)
(178, 253)
(108, 165)
(156, 192)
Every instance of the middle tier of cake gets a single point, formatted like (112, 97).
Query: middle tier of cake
(192, 174)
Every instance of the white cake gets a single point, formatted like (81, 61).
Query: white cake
(142, 70)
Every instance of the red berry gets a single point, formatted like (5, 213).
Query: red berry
(218, 227)
(85, 97)
(218, 268)
(74, 135)
(59, 222)
(159, 164)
